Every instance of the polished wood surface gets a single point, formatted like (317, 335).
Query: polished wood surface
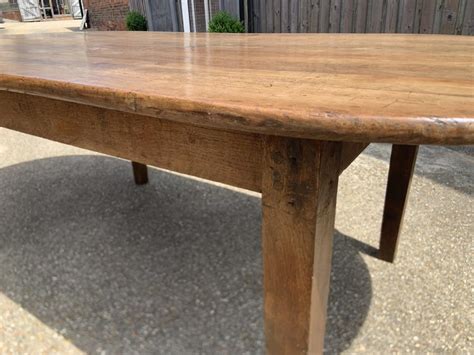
(364, 88)
(299, 187)
(402, 167)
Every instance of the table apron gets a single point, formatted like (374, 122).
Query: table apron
(228, 157)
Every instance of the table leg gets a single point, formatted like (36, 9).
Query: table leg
(140, 173)
(402, 166)
(299, 187)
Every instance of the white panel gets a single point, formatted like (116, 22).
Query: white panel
(29, 10)
(76, 9)
(185, 11)
(206, 13)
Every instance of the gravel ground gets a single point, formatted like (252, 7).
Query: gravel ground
(92, 263)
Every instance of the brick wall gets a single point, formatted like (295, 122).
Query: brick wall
(12, 15)
(107, 15)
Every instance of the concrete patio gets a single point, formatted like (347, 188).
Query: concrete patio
(92, 263)
(13, 27)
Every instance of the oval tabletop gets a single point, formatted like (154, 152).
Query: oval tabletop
(411, 89)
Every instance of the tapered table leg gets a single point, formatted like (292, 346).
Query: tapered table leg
(140, 173)
(299, 187)
(402, 166)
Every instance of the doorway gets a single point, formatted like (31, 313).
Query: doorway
(37, 10)
(54, 8)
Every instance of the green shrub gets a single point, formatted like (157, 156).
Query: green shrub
(136, 21)
(224, 22)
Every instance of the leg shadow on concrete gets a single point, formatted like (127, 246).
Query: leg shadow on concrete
(172, 267)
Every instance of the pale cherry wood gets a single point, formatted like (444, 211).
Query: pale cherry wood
(402, 166)
(349, 152)
(408, 89)
(299, 187)
(229, 157)
(140, 173)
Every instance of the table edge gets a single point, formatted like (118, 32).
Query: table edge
(320, 125)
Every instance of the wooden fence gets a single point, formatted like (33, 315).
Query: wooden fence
(231, 6)
(161, 15)
(362, 16)
(167, 15)
(139, 5)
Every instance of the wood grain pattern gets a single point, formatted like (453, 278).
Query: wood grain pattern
(402, 166)
(427, 17)
(330, 154)
(468, 22)
(406, 16)
(315, 6)
(449, 16)
(335, 16)
(460, 16)
(324, 15)
(418, 14)
(437, 18)
(228, 157)
(361, 16)
(285, 10)
(294, 11)
(277, 5)
(299, 186)
(374, 23)
(263, 19)
(303, 16)
(388, 88)
(348, 8)
(269, 10)
(391, 16)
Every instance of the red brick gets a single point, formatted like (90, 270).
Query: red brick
(107, 15)
(12, 15)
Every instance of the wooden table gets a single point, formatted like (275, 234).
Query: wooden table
(280, 114)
